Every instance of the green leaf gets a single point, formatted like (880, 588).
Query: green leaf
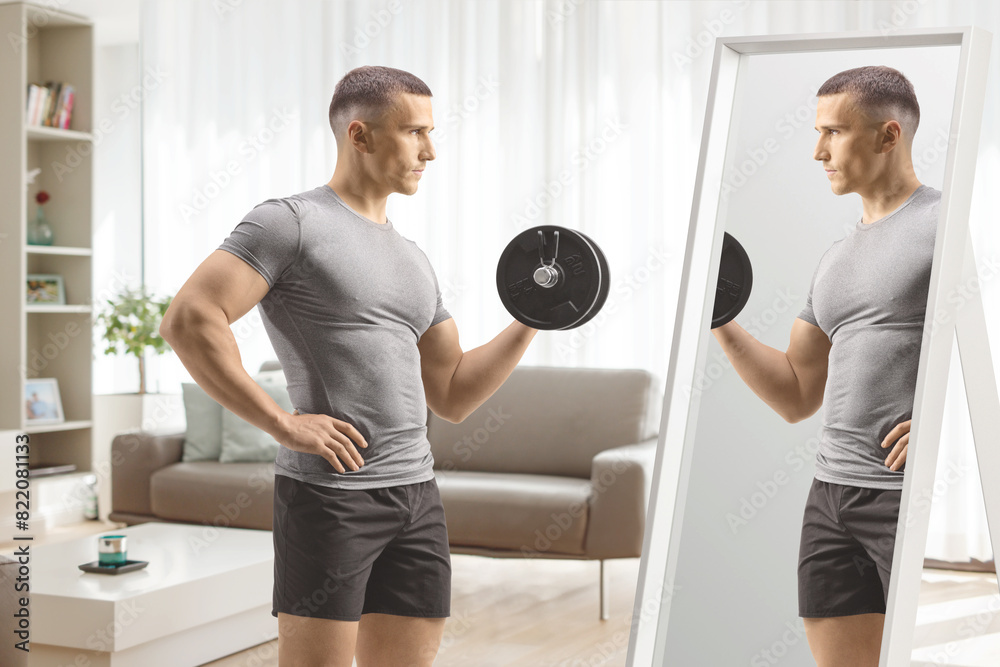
(130, 323)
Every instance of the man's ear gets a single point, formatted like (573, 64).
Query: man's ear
(891, 136)
(359, 136)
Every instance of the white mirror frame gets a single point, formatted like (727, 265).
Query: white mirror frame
(953, 264)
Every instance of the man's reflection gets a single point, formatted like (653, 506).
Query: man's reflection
(854, 351)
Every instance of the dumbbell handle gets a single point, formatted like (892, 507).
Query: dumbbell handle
(546, 275)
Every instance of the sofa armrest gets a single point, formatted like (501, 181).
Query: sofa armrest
(135, 456)
(621, 478)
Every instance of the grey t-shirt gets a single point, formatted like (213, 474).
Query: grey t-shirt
(349, 298)
(869, 296)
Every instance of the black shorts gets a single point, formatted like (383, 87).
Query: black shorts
(341, 553)
(848, 536)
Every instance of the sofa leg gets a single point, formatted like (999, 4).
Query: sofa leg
(605, 595)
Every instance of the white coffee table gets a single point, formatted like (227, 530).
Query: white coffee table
(206, 593)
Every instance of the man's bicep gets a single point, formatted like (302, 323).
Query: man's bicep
(440, 353)
(222, 281)
(809, 353)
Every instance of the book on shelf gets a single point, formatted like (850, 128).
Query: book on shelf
(50, 105)
(46, 469)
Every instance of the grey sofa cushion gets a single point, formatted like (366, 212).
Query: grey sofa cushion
(243, 442)
(203, 434)
(530, 514)
(238, 495)
(550, 421)
(214, 433)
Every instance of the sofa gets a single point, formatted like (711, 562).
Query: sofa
(556, 464)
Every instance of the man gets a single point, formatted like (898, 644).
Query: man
(356, 319)
(854, 350)
(39, 409)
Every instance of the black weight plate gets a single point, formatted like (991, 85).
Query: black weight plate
(566, 303)
(605, 283)
(735, 281)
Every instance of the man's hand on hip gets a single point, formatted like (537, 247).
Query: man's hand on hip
(901, 436)
(325, 436)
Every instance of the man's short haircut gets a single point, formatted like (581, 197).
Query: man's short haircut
(880, 92)
(369, 92)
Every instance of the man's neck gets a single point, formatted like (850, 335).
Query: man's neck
(887, 197)
(362, 201)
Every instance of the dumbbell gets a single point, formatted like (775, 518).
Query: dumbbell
(734, 283)
(551, 277)
(555, 278)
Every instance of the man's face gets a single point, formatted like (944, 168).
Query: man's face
(849, 145)
(401, 145)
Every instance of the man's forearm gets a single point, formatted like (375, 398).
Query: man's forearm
(482, 370)
(764, 369)
(207, 348)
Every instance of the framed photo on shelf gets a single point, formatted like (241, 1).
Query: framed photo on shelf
(42, 404)
(45, 288)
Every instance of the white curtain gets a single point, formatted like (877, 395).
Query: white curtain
(579, 113)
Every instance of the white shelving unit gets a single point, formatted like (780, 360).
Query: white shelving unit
(47, 341)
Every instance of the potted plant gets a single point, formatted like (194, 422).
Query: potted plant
(130, 323)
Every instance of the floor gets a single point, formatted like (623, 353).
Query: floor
(504, 612)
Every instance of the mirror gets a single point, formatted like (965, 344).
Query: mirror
(732, 476)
